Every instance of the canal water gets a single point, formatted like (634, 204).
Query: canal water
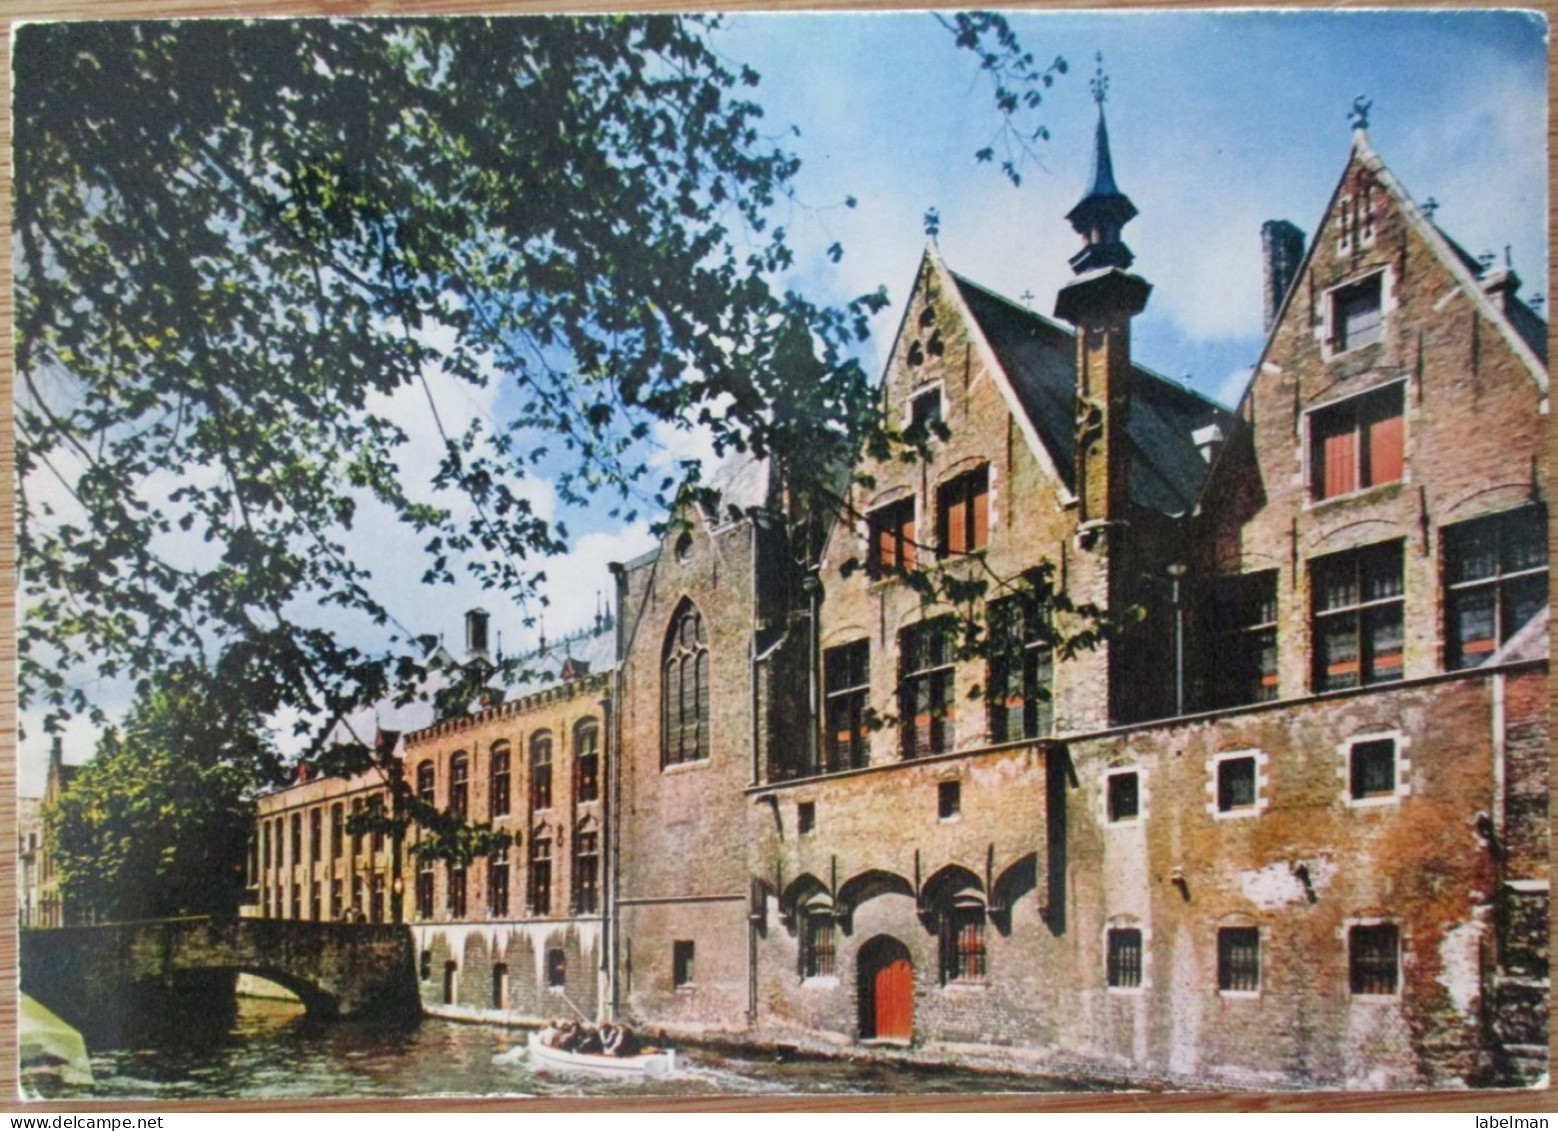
(269, 1050)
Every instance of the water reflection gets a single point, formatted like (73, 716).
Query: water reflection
(270, 1050)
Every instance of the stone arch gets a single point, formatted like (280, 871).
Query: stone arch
(866, 886)
(1018, 878)
(799, 892)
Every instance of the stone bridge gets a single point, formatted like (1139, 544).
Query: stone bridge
(89, 975)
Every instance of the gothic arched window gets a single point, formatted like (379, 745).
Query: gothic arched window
(685, 688)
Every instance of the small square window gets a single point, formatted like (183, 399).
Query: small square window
(1124, 796)
(806, 816)
(1357, 316)
(1238, 959)
(1372, 769)
(681, 962)
(949, 799)
(1236, 784)
(1374, 958)
(1124, 958)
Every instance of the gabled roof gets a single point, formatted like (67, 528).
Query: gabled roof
(1038, 357)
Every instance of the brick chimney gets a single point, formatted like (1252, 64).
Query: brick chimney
(1282, 250)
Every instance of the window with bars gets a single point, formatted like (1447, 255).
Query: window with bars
(1124, 958)
(1357, 443)
(1236, 783)
(586, 873)
(498, 884)
(457, 900)
(1357, 597)
(963, 513)
(1021, 670)
(892, 531)
(1357, 314)
(1495, 578)
(1124, 796)
(1374, 958)
(1371, 769)
(963, 945)
(847, 688)
(925, 702)
(817, 946)
(1242, 648)
(541, 876)
(686, 689)
(541, 770)
(1238, 959)
(499, 773)
(586, 761)
(460, 784)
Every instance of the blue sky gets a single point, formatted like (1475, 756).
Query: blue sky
(1219, 121)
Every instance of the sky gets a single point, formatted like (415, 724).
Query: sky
(1218, 121)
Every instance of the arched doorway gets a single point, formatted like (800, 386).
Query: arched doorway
(886, 990)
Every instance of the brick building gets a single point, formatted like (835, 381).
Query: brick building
(1287, 826)
(516, 936)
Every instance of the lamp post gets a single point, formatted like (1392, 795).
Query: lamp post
(1176, 572)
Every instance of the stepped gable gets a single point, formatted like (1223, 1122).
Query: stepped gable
(1039, 359)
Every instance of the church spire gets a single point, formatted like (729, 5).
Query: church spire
(1103, 210)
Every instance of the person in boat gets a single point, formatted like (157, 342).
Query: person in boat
(549, 1034)
(589, 1040)
(618, 1040)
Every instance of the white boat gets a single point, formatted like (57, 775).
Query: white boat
(655, 1062)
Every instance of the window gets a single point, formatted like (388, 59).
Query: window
(316, 896)
(1238, 959)
(1495, 575)
(925, 692)
(1356, 444)
(297, 838)
(963, 513)
(1373, 958)
(681, 962)
(376, 904)
(1124, 796)
(500, 985)
(498, 885)
(1021, 670)
(949, 799)
(1371, 769)
(1236, 783)
(806, 816)
(556, 968)
(924, 411)
(817, 947)
(1357, 617)
(586, 873)
(457, 902)
(586, 755)
(337, 828)
(541, 770)
(297, 901)
(359, 903)
(1124, 958)
(1242, 649)
(357, 810)
(425, 783)
(337, 909)
(425, 889)
(316, 834)
(892, 539)
(499, 784)
(451, 982)
(686, 689)
(963, 945)
(425, 966)
(847, 684)
(459, 784)
(541, 876)
(265, 846)
(1357, 315)
(376, 811)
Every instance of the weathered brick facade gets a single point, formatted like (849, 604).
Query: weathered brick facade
(1313, 851)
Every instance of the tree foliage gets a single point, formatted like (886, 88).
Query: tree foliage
(154, 825)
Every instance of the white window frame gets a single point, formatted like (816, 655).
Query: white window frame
(1262, 784)
(1325, 325)
(1403, 765)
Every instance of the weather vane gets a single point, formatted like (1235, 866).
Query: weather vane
(1099, 83)
(1359, 114)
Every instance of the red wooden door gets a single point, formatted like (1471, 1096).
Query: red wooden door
(895, 1000)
